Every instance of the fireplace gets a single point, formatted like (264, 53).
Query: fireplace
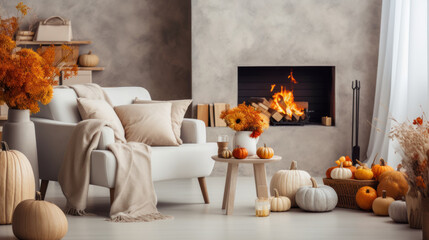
(289, 95)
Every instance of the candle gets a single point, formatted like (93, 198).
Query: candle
(262, 207)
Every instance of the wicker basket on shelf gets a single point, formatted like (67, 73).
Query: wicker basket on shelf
(346, 190)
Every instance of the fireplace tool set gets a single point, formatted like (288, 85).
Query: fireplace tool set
(355, 122)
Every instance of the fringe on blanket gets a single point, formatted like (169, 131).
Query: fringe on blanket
(143, 218)
(75, 212)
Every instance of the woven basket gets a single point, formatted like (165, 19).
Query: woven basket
(346, 190)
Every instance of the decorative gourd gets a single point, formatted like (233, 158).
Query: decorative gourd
(398, 211)
(16, 181)
(88, 60)
(352, 168)
(287, 182)
(395, 184)
(340, 160)
(279, 203)
(341, 173)
(316, 199)
(226, 154)
(240, 153)
(378, 169)
(348, 162)
(380, 206)
(363, 172)
(265, 152)
(37, 219)
(365, 196)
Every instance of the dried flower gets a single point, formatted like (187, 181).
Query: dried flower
(245, 118)
(418, 121)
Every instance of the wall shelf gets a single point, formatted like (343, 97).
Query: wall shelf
(74, 42)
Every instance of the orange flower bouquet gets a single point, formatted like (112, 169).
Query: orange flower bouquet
(245, 118)
(27, 76)
(413, 139)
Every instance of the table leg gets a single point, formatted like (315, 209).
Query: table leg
(227, 182)
(232, 185)
(260, 180)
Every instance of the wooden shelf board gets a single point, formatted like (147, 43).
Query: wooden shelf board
(74, 42)
(90, 68)
(3, 118)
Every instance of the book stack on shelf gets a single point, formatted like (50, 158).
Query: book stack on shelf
(210, 114)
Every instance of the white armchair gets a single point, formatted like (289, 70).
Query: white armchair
(55, 124)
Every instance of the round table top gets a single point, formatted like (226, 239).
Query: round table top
(249, 159)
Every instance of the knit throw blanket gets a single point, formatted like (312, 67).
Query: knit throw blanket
(135, 198)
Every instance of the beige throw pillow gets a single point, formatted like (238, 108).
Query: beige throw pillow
(147, 123)
(100, 109)
(178, 110)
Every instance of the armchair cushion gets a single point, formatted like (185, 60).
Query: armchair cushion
(178, 110)
(148, 123)
(100, 109)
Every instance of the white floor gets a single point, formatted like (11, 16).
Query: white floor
(195, 220)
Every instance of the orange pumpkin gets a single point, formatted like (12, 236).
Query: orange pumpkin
(378, 169)
(348, 162)
(240, 153)
(328, 172)
(394, 183)
(365, 196)
(265, 152)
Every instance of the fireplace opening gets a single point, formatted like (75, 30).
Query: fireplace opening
(289, 95)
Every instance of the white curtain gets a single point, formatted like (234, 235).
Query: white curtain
(402, 77)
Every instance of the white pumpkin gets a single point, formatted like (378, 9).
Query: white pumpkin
(279, 203)
(341, 173)
(88, 60)
(287, 182)
(315, 198)
(398, 211)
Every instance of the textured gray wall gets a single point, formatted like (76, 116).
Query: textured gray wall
(342, 33)
(140, 42)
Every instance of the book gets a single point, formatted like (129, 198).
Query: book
(218, 108)
(211, 115)
(203, 113)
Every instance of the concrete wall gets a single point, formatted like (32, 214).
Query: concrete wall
(341, 33)
(140, 42)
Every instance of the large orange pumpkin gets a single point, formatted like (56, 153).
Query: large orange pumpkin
(378, 169)
(395, 184)
(365, 196)
(328, 172)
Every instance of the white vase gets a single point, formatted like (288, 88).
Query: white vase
(19, 133)
(243, 139)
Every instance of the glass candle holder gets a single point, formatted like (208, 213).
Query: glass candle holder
(222, 144)
(262, 207)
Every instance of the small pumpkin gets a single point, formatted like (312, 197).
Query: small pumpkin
(37, 219)
(240, 153)
(287, 182)
(363, 172)
(226, 154)
(394, 183)
(398, 211)
(16, 181)
(279, 203)
(316, 198)
(380, 206)
(88, 60)
(341, 173)
(348, 162)
(378, 169)
(365, 196)
(340, 160)
(265, 152)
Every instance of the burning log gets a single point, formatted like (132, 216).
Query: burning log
(288, 118)
(295, 117)
(276, 115)
(262, 110)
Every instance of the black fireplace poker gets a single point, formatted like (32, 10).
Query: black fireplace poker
(355, 122)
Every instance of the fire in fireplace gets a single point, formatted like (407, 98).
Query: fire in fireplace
(289, 95)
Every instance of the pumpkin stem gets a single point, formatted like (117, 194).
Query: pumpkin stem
(373, 161)
(4, 146)
(314, 183)
(276, 192)
(90, 52)
(38, 196)
(383, 195)
(341, 165)
(382, 162)
(367, 190)
(359, 162)
(398, 168)
(265, 145)
(293, 165)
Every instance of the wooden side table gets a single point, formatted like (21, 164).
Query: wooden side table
(231, 178)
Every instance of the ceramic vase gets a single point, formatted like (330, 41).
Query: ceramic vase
(425, 217)
(414, 210)
(243, 139)
(19, 133)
